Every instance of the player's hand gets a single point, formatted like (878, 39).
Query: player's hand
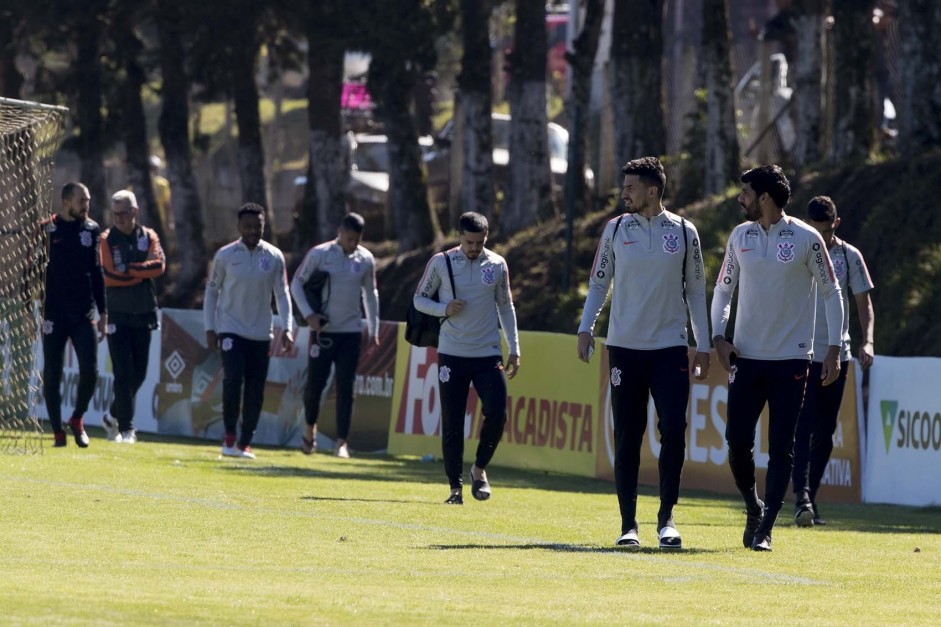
(102, 327)
(455, 307)
(866, 355)
(212, 340)
(586, 346)
(831, 365)
(287, 341)
(316, 322)
(701, 366)
(726, 352)
(512, 365)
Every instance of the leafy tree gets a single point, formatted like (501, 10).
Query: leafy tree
(808, 87)
(920, 115)
(854, 124)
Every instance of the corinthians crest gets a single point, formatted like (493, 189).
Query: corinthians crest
(785, 252)
(671, 243)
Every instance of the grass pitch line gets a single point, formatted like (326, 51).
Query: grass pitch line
(513, 542)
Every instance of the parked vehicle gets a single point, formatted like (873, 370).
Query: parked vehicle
(438, 160)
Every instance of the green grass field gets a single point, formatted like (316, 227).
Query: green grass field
(167, 532)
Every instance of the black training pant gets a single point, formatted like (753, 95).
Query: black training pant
(343, 350)
(243, 361)
(635, 376)
(813, 442)
(455, 376)
(780, 384)
(57, 331)
(129, 348)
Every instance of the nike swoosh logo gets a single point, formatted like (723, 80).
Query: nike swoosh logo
(798, 377)
(626, 243)
(745, 250)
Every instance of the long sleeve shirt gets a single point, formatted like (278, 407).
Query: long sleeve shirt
(484, 285)
(778, 273)
(238, 295)
(131, 262)
(352, 281)
(74, 281)
(853, 277)
(643, 260)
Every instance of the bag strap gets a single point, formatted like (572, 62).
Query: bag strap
(616, 226)
(447, 260)
(685, 250)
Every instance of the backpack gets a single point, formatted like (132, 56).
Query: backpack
(313, 290)
(422, 329)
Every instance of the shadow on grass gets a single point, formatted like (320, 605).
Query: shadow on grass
(347, 500)
(560, 547)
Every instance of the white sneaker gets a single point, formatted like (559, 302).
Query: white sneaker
(127, 437)
(245, 453)
(231, 451)
(343, 451)
(111, 428)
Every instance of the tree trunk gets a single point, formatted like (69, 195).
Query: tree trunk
(854, 125)
(88, 115)
(920, 114)
(329, 171)
(11, 80)
(477, 191)
(528, 185)
(582, 63)
(251, 153)
(808, 77)
(637, 79)
(133, 121)
(415, 225)
(174, 116)
(722, 157)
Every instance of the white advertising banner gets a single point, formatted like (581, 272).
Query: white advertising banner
(903, 458)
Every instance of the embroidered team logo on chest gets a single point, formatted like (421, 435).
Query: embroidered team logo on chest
(487, 275)
(85, 238)
(265, 264)
(671, 243)
(785, 252)
(356, 265)
(839, 268)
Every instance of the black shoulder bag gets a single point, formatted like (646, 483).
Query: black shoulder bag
(422, 329)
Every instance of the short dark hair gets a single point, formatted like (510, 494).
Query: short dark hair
(821, 209)
(769, 179)
(472, 222)
(353, 222)
(70, 188)
(252, 208)
(650, 171)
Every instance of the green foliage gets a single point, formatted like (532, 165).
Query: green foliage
(168, 533)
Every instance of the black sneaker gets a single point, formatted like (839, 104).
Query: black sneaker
(762, 541)
(77, 425)
(456, 498)
(804, 515)
(752, 521)
(60, 439)
(817, 519)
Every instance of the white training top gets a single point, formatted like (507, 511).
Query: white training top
(776, 271)
(238, 295)
(853, 276)
(484, 285)
(645, 260)
(352, 280)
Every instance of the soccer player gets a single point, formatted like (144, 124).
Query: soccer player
(817, 423)
(132, 258)
(74, 288)
(237, 313)
(653, 259)
(469, 350)
(352, 279)
(778, 264)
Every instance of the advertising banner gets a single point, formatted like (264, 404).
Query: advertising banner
(552, 415)
(904, 432)
(190, 388)
(706, 466)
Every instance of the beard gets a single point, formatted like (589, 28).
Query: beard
(752, 212)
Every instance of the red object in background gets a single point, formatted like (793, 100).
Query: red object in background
(355, 96)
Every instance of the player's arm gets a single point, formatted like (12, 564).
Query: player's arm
(114, 276)
(721, 310)
(599, 282)
(695, 278)
(211, 298)
(428, 287)
(867, 324)
(507, 312)
(155, 264)
(371, 300)
(282, 299)
(821, 267)
(310, 263)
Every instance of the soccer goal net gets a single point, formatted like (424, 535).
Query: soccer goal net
(30, 134)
